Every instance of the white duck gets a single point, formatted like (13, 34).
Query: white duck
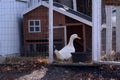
(65, 52)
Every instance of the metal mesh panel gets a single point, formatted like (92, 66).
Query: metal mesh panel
(24, 28)
(110, 31)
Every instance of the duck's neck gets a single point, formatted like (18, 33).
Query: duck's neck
(70, 42)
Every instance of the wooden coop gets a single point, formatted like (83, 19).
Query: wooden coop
(66, 22)
(48, 26)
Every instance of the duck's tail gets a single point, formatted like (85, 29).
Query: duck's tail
(56, 51)
(58, 55)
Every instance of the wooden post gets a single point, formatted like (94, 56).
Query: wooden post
(50, 31)
(84, 39)
(118, 29)
(96, 30)
(108, 30)
(74, 5)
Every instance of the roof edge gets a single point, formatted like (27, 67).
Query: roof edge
(45, 4)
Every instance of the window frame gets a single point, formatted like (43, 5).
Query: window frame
(37, 48)
(34, 26)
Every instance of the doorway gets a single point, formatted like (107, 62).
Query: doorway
(78, 44)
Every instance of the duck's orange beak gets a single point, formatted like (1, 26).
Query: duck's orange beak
(78, 38)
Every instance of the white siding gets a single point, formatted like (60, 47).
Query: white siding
(10, 18)
(118, 29)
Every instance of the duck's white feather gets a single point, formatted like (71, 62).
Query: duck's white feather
(58, 55)
(65, 52)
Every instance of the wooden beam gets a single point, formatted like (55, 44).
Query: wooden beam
(109, 62)
(108, 30)
(96, 30)
(50, 31)
(74, 24)
(112, 2)
(84, 39)
(75, 5)
(118, 29)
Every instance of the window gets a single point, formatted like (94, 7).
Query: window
(34, 25)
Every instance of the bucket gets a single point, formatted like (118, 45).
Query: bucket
(81, 57)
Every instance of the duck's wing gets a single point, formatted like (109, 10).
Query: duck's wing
(66, 51)
(56, 51)
(59, 55)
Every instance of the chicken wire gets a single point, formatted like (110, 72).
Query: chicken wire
(25, 31)
(24, 28)
(110, 32)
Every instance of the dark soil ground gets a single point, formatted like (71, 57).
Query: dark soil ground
(34, 70)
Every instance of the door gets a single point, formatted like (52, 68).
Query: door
(78, 44)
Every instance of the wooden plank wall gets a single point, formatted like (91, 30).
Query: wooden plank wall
(112, 2)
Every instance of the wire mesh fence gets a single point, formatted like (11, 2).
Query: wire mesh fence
(25, 27)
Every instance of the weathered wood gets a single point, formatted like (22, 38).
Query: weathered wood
(108, 30)
(50, 31)
(109, 62)
(74, 5)
(74, 64)
(112, 2)
(73, 24)
(96, 30)
(84, 39)
(118, 29)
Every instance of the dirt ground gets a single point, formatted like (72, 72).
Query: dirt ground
(63, 73)
(40, 70)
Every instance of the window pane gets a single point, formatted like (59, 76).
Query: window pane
(30, 47)
(37, 29)
(31, 28)
(37, 23)
(42, 48)
(31, 23)
(38, 47)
